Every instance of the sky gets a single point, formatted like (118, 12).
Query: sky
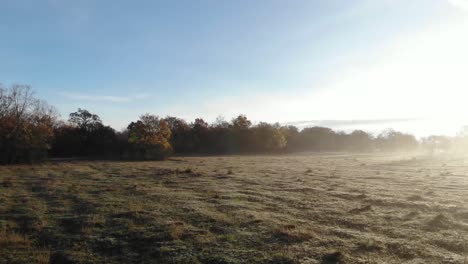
(345, 64)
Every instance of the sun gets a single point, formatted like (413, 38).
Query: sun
(420, 76)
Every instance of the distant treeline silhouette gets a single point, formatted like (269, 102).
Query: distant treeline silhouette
(30, 131)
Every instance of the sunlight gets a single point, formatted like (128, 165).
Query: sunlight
(234, 131)
(459, 3)
(422, 76)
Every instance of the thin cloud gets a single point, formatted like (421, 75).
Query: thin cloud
(104, 98)
(345, 123)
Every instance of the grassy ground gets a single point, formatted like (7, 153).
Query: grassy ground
(242, 209)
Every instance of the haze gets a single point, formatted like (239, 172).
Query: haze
(349, 64)
(232, 132)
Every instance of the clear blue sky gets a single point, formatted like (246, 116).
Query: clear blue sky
(269, 59)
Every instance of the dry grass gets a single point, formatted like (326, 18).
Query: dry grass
(327, 208)
(13, 240)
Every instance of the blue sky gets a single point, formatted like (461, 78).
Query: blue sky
(273, 60)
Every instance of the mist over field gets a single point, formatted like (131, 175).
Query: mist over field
(229, 132)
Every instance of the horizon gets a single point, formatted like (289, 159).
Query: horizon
(357, 65)
(233, 131)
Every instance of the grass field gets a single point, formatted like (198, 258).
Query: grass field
(334, 208)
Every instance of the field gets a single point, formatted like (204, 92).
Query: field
(327, 208)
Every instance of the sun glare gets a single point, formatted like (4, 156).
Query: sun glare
(421, 76)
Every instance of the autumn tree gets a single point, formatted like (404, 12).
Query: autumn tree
(149, 138)
(26, 125)
(268, 138)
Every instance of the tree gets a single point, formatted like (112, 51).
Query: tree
(200, 124)
(393, 140)
(359, 140)
(268, 138)
(26, 125)
(200, 135)
(241, 135)
(291, 134)
(84, 119)
(181, 138)
(85, 136)
(241, 122)
(149, 138)
(317, 139)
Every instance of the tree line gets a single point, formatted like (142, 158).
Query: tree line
(31, 130)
